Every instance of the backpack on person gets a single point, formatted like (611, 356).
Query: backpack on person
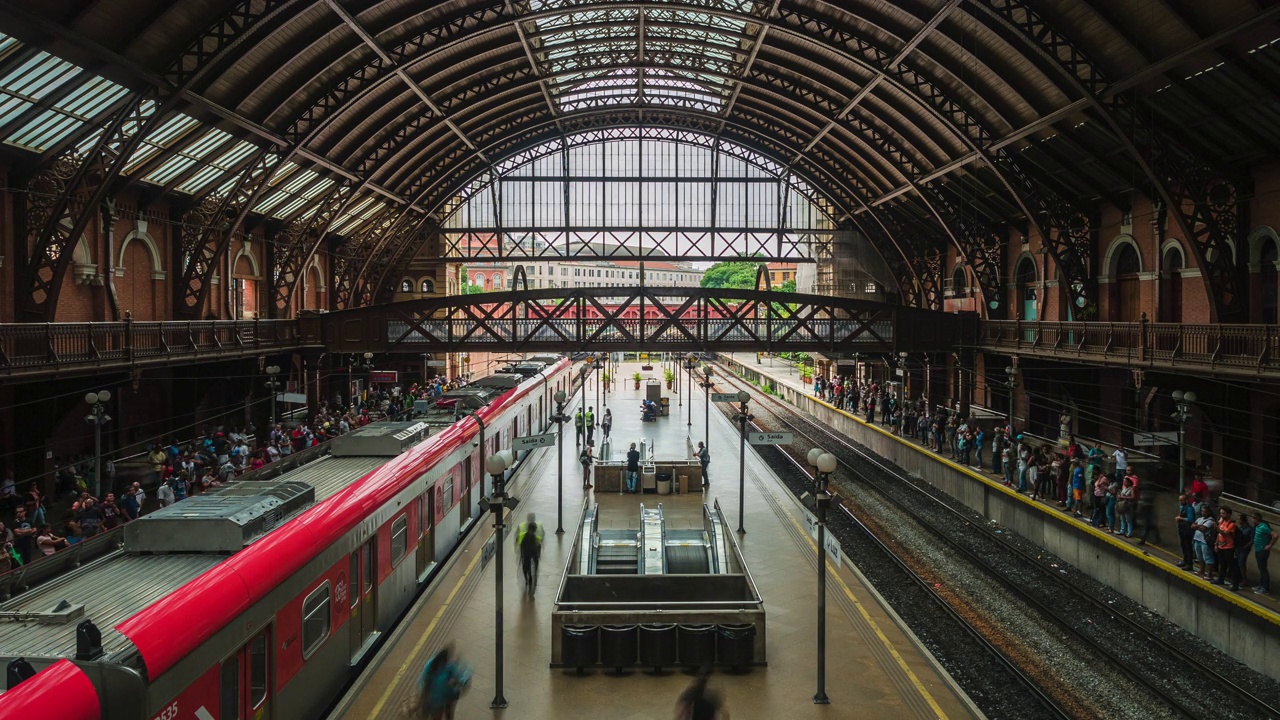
(529, 543)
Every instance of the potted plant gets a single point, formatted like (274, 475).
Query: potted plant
(637, 377)
(670, 377)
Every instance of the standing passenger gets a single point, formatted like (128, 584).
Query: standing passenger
(585, 458)
(633, 468)
(1264, 538)
(704, 457)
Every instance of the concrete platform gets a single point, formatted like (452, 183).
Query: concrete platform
(875, 670)
(1243, 625)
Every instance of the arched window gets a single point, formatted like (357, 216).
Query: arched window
(959, 282)
(1128, 262)
(406, 286)
(1028, 289)
(1171, 285)
(1267, 262)
(428, 286)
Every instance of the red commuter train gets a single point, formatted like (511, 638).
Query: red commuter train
(259, 602)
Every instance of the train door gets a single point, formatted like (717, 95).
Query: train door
(465, 504)
(364, 595)
(427, 540)
(246, 680)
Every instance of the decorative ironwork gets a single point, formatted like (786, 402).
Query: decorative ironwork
(671, 319)
(63, 198)
(207, 229)
(297, 243)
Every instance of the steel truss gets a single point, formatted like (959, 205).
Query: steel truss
(670, 319)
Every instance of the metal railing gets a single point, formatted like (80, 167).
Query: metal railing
(1239, 348)
(47, 348)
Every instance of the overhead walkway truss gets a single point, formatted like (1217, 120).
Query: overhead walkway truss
(639, 318)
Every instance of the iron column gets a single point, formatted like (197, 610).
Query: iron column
(1183, 402)
(706, 425)
(826, 464)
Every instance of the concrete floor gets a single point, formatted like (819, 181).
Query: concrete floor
(873, 669)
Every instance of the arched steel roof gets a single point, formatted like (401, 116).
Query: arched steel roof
(927, 123)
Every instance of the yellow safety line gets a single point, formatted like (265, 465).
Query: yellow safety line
(422, 641)
(1260, 610)
(884, 640)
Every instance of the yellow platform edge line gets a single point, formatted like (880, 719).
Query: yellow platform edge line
(884, 639)
(1165, 567)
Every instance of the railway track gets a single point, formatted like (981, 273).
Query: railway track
(1190, 687)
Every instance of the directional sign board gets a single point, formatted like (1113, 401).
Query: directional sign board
(770, 438)
(831, 544)
(724, 397)
(533, 442)
(296, 398)
(1149, 439)
(435, 363)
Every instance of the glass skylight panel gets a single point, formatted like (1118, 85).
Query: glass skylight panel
(352, 212)
(84, 104)
(292, 183)
(359, 219)
(306, 196)
(187, 156)
(220, 166)
(163, 137)
(33, 79)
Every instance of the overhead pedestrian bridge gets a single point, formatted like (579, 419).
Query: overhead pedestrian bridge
(640, 318)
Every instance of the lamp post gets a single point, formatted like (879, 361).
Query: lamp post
(902, 394)
(742, 417)
(559, 419)
(497, 465)
(825, 463)
(706, 426)
(1183, 401)
(273, 386)
(690, 362)
(582, 381)
(1011, 383)
(97, 417)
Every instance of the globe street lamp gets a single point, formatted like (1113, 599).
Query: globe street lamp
(273, 386)
(97, 417)
(742, 417)
(825, 463)
(497, 465)
(559, 419)
(1183, 401)
(707, 372)
(690, 362)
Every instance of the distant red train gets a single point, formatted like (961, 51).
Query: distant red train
(261, 601)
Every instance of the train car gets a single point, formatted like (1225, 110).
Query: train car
(262, 601)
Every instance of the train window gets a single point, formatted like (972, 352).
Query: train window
(258, 670)
(315, 620)
(423, 520)
(231, 688)
(399, 539)
(355, 579)
(448, 492)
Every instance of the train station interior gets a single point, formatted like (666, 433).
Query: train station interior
(669, 358)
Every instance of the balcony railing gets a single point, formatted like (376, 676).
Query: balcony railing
(29, 349)
(1252, 349)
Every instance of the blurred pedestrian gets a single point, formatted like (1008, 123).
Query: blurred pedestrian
(529, 539)
(442, 682)
(699, 703)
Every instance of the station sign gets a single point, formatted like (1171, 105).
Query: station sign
(295, 398)
(724, 397)
(533, 442)
(1152, 439)
(829, 542)
(435, 363)
(770, 438)
(383, 376)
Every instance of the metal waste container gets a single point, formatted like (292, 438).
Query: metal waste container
(697, 645)
(664, 483)
(618, 646)
(736, 645)
(579, 645)
(658, 645)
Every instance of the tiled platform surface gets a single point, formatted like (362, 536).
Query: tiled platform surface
(1164, 550)
(874, 670)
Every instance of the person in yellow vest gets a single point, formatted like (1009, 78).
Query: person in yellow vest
(577, 426)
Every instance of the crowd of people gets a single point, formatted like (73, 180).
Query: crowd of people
(33, 525)
(1093, 486)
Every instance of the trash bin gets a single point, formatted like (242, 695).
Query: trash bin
(736, 645)
(579, 645)
(658, 645)
(697, 645)
(618, 646)
(664, 483)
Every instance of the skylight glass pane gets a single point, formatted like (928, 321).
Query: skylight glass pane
(161, 138)
(84, 104)
(218, 167)
(352, 211)
(33, 79)
(188, 156)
